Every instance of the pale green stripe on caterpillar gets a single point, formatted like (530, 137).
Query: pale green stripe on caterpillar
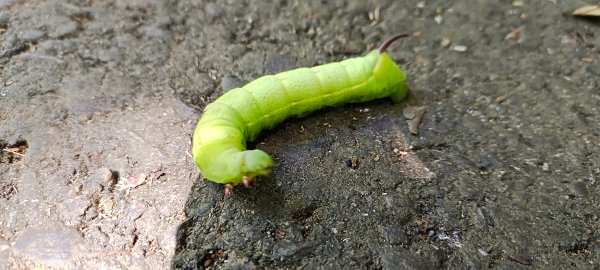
(238, 116)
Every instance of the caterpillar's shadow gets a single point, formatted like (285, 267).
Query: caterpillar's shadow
(330, 170)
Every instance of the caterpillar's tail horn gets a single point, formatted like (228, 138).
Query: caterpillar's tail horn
(391, 40)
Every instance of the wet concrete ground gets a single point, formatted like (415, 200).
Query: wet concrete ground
(98, 100)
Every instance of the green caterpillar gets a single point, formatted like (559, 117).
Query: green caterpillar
(238, 116)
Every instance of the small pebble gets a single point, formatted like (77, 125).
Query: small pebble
(545, 167)
(445, 42)
(517, 3)
(459, 48)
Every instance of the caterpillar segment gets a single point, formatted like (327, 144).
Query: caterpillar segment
(238, 116)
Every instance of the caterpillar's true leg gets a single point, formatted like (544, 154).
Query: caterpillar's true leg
(228, 189)
(247, 181)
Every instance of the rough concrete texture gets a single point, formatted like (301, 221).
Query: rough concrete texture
(98, 100)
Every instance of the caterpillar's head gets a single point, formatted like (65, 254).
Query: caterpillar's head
(256, 162)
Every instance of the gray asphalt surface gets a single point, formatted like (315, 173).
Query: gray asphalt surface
(98, 101)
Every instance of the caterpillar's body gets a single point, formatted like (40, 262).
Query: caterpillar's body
(238, 116)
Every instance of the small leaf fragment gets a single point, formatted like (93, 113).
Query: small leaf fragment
(132, 181)
(589, 10)
(415, 115)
